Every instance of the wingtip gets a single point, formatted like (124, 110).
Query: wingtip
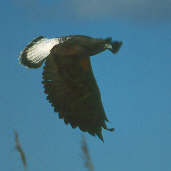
(37, 51)
(99, 134)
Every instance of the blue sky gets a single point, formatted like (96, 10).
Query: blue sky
(135, 85)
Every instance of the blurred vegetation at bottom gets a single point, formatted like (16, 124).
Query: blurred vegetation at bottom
(84, 148)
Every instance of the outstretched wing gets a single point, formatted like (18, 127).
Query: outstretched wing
(72, 90)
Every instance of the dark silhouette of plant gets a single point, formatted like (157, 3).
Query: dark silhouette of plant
(86, 155)
(20, 150)
(84, 147)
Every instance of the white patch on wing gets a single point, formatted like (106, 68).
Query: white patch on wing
(41, 49)
(35, 52)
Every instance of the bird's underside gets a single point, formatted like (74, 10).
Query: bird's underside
(68, 78)
(72, 90)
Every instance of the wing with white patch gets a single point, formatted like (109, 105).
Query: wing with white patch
(37, 51)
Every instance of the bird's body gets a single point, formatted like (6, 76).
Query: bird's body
(68, 78)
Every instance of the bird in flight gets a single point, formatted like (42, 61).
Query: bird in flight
(68, 78)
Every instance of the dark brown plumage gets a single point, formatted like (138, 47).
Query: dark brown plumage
(70, 84)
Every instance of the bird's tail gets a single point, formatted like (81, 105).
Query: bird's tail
(37, 51)
(113, 46)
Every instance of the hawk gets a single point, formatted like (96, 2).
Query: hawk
(68, 78)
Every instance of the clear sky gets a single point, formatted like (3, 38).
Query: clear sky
(135, 85)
